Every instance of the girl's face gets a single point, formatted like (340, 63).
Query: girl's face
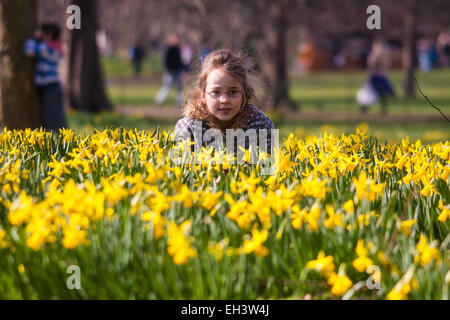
(223, 94)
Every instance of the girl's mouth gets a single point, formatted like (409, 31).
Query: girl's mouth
(225, 110)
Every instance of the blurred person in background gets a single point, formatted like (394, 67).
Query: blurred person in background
(174, 67)
(205, 50)
(137, 56)
(47, 50)
(306, 54)
(426, 52)
(378, 63)
(443, 49)
(186, 54)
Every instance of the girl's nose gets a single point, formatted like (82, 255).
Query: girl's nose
(223, 97)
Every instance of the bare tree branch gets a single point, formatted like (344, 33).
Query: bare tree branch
(429, 100)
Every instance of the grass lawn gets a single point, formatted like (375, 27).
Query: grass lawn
(336, 91)
(326, 91)
(117, 67)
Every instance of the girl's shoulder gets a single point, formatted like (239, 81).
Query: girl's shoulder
(185, 122)
(258, 119)
(186, 127)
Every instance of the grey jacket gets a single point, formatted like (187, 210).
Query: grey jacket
(187, 128)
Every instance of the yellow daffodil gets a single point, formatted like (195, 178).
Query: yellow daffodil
(323, 264)
(445, 212)
(297, 216)
(349, 206)
(180, 245)
(3, 240)
(255, 244)
(340, 284)
(426, 252)
(427, 189)
(334, 219)
(312, 217)
(405, 226)
(363, 261)
(403, 286)
(158, 223)
(218, 249)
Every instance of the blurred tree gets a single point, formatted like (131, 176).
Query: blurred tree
(86, 84)
(276, 20)
(409, 47)
(19, 102)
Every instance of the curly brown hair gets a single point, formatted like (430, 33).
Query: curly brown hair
(234, 64)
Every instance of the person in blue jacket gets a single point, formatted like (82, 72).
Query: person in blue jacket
(379, 62)
(47, 50)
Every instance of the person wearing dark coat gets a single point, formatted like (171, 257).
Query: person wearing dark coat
(174, 68)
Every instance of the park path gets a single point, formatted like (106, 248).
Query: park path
(172, 114)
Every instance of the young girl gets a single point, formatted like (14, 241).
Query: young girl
(222, 99)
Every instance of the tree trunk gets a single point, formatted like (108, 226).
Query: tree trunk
(20, 106)
(409, 49)
(275, 51)
(86, 85)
